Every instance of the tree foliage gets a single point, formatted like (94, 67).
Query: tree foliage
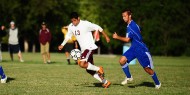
(164, 23)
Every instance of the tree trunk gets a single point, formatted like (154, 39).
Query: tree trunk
(33, 48)
(26, 47)
(99, 50)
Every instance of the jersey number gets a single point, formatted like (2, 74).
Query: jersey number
(77, 32)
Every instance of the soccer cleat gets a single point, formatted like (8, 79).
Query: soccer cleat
(157, 86)
(107, 84)
(4, 80)
(101, 71)
(126, 79)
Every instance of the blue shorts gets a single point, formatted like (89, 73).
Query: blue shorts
(143, 57)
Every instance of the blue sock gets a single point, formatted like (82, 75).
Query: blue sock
(2, 74)
(126, 70)
(154, 77)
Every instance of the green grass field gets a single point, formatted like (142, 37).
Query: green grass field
(33, 77)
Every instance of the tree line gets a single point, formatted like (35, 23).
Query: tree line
(164, 23)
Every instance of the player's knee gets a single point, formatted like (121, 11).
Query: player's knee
(122, 62)
(82, 64)
(149, 70)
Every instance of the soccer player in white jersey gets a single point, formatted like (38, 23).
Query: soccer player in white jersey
(82, 30)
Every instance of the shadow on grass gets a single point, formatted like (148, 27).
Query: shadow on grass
(72, 64)
(88, 85)
(10, 79)
(148, 84)
(95, 85)
(53, 62)
(5, 60)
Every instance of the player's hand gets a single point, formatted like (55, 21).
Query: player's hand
(115, 36)
(60, 47)
(2, 27)
(107, 39)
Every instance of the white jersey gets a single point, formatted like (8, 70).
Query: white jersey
(13, 36)
(83, 34)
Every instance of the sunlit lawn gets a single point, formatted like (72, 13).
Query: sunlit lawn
(36, 78)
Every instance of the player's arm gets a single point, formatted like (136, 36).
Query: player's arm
(76, 44)
(124, 39)
(60, 47)
(67, 37)
(106, 36)
(2, 27)
(98, 28)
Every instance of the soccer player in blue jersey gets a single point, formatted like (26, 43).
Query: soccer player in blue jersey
(3, 76)
(137, 50)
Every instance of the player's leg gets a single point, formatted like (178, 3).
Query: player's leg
(47, 52)
(67, 57)
(48, 57)
(44, 57)
(100, 78)
(3, 76)
(43, 53)
(11, 51)
(147, 63)
(17, 49)
(83, 63)
(68, 47)
(20, 56)
(0, 53)
(124, 61)
(96, 75)
(93, 73)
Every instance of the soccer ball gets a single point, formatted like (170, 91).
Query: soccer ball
(75, 54)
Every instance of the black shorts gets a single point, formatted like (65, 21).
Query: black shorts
(14, 48)
(68, 47)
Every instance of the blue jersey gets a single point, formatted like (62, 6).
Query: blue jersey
(135, 36)
(138, 49)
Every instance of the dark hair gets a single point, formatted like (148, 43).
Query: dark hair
(129, 12)
(74, 15)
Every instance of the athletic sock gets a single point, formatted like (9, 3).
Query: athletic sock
(104, 81)
(68, 61)
(126, 70)
(2, 74)
(96, 76)
(92, 67)
(154, 77)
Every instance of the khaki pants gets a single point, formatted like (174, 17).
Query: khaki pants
(44, 48)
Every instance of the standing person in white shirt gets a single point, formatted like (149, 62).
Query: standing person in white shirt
(14, 42)
(82, 30)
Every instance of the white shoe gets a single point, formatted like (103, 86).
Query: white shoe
(4, 80)
(21, 60)
(157, 86)
(126, 79)
(48, 61)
